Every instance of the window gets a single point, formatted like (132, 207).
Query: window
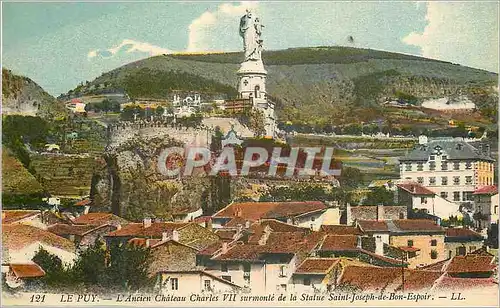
(423, 200)
(468, 165)
(444, 180)
(432, 180)
(468, 196)
(174, 283)
(434, 254)
(223, 267)
(472, 248)
(420, 180)
(307, 281)
(410, 243)
(456, 180)
(313, 218)
(444, 157)
(432, 157)
(434, 242)
(282, 270)
(468, 179)
(456, 196)
(456, 166)
(432, 165)
(420, 167)
(495, 209)
(444, 165)
(401, 216)
(444, 194)
(408, 167)
(208, 285)
(461, 251)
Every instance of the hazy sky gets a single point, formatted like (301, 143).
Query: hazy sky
(59, 45)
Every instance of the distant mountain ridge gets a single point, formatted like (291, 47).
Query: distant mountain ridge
(333, 85)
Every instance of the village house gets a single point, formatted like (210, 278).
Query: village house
(374, 212)
(83, 236)
(486, 204)
(99, 219)
(190, 234)
(187, 282)
(308, 214)
(21, 242)
(451, 168)
(416, 197)
(461, 241)
(28, 217)
(316, 275)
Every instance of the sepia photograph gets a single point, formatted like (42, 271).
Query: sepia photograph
(253, 153)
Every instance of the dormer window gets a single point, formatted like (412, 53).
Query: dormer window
(444, 157)
(459, 146)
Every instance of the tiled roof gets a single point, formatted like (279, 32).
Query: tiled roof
(65, 229)
(11, 216)
(201, 219)
(316, 265)
(226, 234)
(369, 278)
(462, 234)
(155, 230)
(438, 266)
(454, 149)
(373, 225)
(414, 226)
(487, 190)
(416, 189)
(417, 280)
(242, 252)
(459, 284)
(257, 210)
(98, 219)
(248, 210)
(470, 264)
(292, 209)
(211, 249)
(18, 236)
(340, 243)
(83, 202)
(29, 270)
(278, 226)
(233, 223)
(340, 230)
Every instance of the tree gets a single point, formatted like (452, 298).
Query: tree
(56, 275)
(159, 111)
(350, 177)
(379, 195)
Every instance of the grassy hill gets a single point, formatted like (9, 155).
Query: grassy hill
(16, 179)
(325, 85)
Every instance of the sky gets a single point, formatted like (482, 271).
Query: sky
(59, 44)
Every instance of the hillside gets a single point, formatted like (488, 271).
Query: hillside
(21, 95)
(16, 179)
(322, 85)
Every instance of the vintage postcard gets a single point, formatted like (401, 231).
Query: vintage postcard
(272, 153)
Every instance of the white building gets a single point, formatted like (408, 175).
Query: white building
(451, 168)
(487, 205)
(445, 103)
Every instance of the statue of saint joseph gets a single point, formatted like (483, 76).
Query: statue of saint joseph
(250, 31)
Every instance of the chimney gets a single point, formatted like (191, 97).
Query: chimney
(359, 244)
(224, 247)
(208, 224)
(487, 151)
(175, 235)
(380, 212)
(164, 236)
(146, 223)
(86, 210)
(379, 246)
(348, 214)
(247, 224)
(147, 242)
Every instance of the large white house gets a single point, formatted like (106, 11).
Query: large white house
(451, 168)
